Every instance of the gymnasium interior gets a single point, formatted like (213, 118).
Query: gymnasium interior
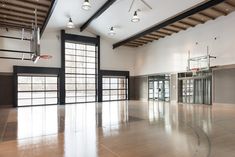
(117, 78)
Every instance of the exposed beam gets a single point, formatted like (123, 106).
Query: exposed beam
(154, 34)
(178, 27)
(97, 14)
(163, 33)
(49, 13)
(186, 24)
(219, 11)
(206, 15)
(144, 39)
(196, 20)
(149, 37)
(171, 20)
(229, 3)
(138, 42)
(170, 30)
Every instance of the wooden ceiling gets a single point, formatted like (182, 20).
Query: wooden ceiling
(18, 14)
(206, 11)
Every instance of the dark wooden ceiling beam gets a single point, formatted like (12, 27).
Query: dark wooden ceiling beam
(97, 14)
(170, 21)
(49, 13)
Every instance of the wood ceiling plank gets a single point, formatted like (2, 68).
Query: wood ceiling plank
(15, 18)
(170, 30)
(225, 7)
(14, 25)
(190, 21)
(150, 37)
(196, 20)
(143, 40)
(222, 12)
(25, 5)
(26, 11)
(173, 28)
(138, 42)
(206, 15)
(23, 24)
(157, 35)
(163, 33)
(19, 14)
(186, 23)
(230, 2)
(177, 26)
(46, 3)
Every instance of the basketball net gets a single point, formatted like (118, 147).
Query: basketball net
(194, 71)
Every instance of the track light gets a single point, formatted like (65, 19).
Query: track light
(135, 18)
(111, 31)
(70, 23)
(86, 5)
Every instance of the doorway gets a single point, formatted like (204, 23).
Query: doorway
(159, 88)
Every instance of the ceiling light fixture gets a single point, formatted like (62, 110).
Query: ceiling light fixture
(111, 31)
(70, 23)
(135, 18)
(86, 5)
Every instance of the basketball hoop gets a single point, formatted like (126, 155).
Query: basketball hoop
(194, 71)
(45, 57)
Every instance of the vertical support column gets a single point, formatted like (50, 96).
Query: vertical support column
(62, 71)
(15, 87)
(99, 89)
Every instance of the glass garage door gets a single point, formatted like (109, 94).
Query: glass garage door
(37, 90)
(80, 72)
(114, 88)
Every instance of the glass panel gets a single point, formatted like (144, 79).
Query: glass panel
(24, 102)
(24, 79)
(24, 87)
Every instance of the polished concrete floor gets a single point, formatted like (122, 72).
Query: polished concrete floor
(118, 129)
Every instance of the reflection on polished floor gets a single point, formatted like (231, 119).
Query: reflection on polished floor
(118, 129)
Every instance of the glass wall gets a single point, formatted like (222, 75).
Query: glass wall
(37, 90)
(80, 72)
(159, 87)
(114, 88)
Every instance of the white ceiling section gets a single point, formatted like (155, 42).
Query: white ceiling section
(72, 8)
(117, 15)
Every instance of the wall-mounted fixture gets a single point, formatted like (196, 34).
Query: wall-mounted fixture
(111, 31)
(135, 17)
(70, 23)
(86, 5)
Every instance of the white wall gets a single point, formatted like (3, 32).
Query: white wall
(170, 54)
(118, 59)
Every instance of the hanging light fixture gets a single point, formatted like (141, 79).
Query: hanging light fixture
(86, 5)
(111, 31)
(70, 23)
(135, 18)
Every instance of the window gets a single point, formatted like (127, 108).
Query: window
(114, 88)
(80, 72)
(37, 90)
